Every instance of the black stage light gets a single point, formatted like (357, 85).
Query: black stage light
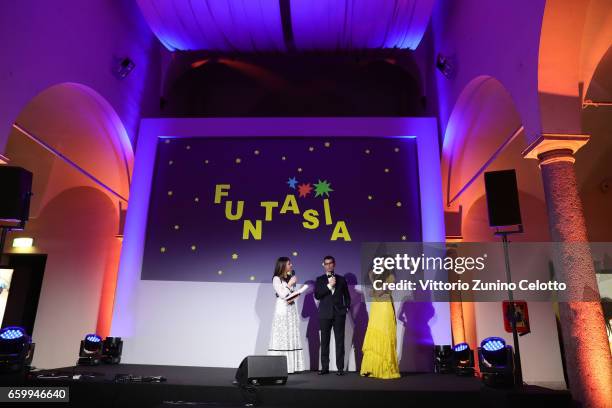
(111, 350)
(463, 360)
(443, 359)
(496, 361)
(90, 351)
(16, 349)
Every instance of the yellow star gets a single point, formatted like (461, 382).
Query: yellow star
(193, 247)
(311, 149)
(238, 160)
(370, 197)
(396, 149)
(205, 161)
(162, 249)
(403, 237)
(220, 272)
(256, 152)
(386, 170)
(367, 151)
(170, 192)
(299, 169)
(327, 144)
(197, 199)
(188, 147)
(295, 253)
(252, 278)
(234, 256)
(283, 158)
(170, 162)
(176, 227)
(398, 204)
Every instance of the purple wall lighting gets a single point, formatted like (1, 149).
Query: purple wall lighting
(261, 25)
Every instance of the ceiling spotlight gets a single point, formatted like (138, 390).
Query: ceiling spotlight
(122, 67)
(16, 349)
(496, 362)
(445, 65)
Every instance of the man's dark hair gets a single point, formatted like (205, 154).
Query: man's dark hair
(330, 258)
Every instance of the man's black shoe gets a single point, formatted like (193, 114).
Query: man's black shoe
(340, 373)
(323, 372)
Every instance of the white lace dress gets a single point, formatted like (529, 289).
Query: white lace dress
(285, 338)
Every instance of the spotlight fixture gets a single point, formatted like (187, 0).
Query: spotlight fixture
(445, 65)
(111, 350)
(16, 349)
(90, 352)
(443, 359)
(122, 67)
(463, 360)
(496, 362)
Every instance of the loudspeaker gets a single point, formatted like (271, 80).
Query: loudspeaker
(502, 198)
(16, 189)
(259, 370)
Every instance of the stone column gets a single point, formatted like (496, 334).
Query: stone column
(585, 341)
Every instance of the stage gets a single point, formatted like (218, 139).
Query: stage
(205, 386)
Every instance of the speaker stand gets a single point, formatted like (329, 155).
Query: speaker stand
(518, 371)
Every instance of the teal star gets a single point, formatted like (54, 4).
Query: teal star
(322, 188)
(292, 182)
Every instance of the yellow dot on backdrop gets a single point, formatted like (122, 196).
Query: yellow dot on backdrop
(386, 170)
(234, 256)
(188, 147)
(197, 199)
(176, 227)
(311, 149)
(403, 237)
(370, 197)
(398, 204)
(367, 151)
(295, 253)
(396, 149)
(327, 144)
(162, 249)
(283, 158)
(193, 247)
(256, 152)
(170, 192)
(252, 278)
(299, 169)
(220, 272)
(170, 162)
(238, 160)
(205, 161)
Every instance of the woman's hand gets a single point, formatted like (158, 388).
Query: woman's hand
(293, 299)
(292, 281)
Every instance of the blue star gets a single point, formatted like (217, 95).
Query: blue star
(292, 182)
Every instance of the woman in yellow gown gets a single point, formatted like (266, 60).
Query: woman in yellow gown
(379, 345)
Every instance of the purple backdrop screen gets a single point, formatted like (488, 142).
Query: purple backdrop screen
(298, 197)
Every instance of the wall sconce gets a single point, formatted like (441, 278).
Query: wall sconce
(23, 242)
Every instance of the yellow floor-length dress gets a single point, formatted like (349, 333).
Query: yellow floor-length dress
(379, 346)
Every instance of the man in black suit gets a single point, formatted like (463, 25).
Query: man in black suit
(334, 301)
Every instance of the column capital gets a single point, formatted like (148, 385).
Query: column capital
(554, 147)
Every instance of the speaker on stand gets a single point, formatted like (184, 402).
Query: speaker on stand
(505, 211)
(16, 188)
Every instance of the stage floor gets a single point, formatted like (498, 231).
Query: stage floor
(207, 386)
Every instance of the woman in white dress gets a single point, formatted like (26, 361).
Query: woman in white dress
(285, 339)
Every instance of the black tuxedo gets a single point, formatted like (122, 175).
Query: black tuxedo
(332, 313)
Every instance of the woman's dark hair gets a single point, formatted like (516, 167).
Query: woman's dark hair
(281, 263)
